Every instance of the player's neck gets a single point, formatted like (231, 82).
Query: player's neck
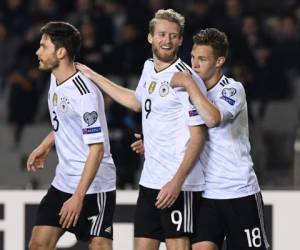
(160, 65)
(64, 71)
(210, 83)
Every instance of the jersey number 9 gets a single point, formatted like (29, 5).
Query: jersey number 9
(147, 107)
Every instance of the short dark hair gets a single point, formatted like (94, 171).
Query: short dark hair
(214, 38)
(63, 35)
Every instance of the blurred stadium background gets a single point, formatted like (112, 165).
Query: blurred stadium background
(264, 56)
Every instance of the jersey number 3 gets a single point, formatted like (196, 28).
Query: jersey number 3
(55, 122)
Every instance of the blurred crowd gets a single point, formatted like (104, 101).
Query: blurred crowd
(264, 49)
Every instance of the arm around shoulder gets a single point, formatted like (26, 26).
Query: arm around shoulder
(123, 96)
(206, 109)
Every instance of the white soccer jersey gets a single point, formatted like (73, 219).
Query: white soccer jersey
(226, 155)
(167, 114)
(77, 114)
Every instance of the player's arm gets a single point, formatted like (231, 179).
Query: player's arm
(169, 192)
(207, 110)
(71, 209)
(124, 96)
(37, 158)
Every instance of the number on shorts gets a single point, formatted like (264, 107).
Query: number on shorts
(148, 107)
(254, 238)
(176, 218)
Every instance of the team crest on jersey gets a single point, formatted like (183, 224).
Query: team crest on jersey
(152, 87)
(227, 94)
(64, 102)
(90, 118)
(164, 90)
(54, 99)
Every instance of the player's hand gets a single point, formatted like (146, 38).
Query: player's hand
(181, 79)
(88, 72)
(168, 195)
(138, 145)
(70, 211)
(37, 158)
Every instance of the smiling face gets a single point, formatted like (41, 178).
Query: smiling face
(47, 54)
(165, 40)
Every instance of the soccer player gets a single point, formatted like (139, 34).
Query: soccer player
(81, 198)
(232, 205)
(174, 133)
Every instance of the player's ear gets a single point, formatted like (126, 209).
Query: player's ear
(180, 40)
(61, 53)
(220, 61)
(150, 39)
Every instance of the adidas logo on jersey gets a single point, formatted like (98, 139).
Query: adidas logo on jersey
(108, 230)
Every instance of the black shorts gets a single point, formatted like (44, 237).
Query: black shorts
(240, 220)
(176, 221)
(95, 219)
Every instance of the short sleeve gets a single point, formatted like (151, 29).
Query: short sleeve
(88, 110)
(230, 101)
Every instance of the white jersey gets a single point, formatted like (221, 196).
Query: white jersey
(77, 114)
(167, 114)
(226, 155)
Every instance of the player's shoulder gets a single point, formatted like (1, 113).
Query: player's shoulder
(230, 83)
(82, 85)
(52, 80)
(180, 65)
(149, 63)
(230, 90)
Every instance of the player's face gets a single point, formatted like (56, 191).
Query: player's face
(203, 61)
(47, 54)
(165, 40)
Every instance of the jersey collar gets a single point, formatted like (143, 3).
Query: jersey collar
(171, 64)
(66, 79)
(222, 80)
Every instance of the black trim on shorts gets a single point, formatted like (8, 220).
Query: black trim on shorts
(160, 224)
(236, 219)
(96, 217)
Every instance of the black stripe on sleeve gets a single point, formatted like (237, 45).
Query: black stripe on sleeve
(80, 85)
(83, 83)
(186, 68)
(178, 68)
(77, 86)
(181, 66)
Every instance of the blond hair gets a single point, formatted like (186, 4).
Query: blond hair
(169, 15)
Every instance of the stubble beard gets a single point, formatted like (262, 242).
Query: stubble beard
(50, 65)
(167, 58)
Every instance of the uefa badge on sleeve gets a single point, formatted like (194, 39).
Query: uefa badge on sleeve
(90, 117)
(228, 95)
